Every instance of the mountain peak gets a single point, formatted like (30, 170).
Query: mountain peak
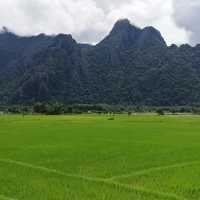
(123, 25)
(125, 35)
(5, 30)
(150, 36)
(123, 22)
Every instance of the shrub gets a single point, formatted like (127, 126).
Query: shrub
(160, 112)
(111, 118)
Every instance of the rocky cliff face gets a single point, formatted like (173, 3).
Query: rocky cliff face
(130, 66)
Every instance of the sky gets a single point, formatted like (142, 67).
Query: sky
(89, 21)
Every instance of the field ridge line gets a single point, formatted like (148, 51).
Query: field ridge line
(48, 170)
(3, 197)
(147, 191)
(91, 179)
(154, 169)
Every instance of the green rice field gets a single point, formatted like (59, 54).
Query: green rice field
(88, 157)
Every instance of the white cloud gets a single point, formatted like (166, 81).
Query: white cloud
(169, 29)
(187, 16)
(89, 20)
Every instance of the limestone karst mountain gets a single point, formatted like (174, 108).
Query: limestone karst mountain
(130, 66)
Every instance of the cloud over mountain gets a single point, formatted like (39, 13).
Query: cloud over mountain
(89, 20)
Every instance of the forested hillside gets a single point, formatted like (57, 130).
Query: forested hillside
(130, 66)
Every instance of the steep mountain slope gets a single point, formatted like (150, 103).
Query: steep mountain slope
(130, 66)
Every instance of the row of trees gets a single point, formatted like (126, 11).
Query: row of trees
(56, 108)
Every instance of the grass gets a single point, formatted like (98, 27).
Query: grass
(88, 157)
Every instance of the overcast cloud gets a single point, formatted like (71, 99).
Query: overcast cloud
(187, 16)
(91, 20)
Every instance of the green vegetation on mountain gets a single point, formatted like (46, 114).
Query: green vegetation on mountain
(130, 66)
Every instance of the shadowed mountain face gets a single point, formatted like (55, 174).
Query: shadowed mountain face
(130, 66)
(125, 36)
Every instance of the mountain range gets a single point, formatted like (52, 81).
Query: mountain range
(131, 66)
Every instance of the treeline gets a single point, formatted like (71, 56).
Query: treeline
(56, 108)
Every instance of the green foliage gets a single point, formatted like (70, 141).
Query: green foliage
(14, 109)
(17, 109)
(196, 110)
(55, 108)
(49, 108)
(160, 112)
(111, 118)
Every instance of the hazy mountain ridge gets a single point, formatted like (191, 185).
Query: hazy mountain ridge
(130, 66)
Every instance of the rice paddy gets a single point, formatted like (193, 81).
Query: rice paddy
(88, 157)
